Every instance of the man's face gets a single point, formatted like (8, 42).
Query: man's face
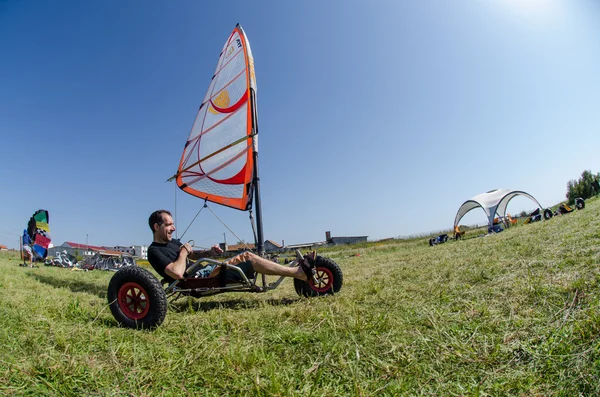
(164, 231)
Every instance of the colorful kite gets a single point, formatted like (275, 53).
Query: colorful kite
(39, 232)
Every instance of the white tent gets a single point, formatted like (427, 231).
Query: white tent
(493, 202)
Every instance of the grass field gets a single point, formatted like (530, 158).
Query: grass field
(512, 314)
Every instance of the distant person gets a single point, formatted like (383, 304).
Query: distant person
(27, 250)
(169, 256)
(457, 233)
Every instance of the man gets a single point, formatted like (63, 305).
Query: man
(169, 256)
(27, 250)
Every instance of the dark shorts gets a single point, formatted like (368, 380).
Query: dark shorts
(234, 276)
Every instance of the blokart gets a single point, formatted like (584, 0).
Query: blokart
(536, 216)
(441, 239)
(137, 299)
(219, 164)
(565, 209)
(496, 228)
(61, 259)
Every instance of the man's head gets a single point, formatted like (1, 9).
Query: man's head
(162, 225)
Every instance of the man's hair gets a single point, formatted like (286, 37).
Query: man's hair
(157, 217)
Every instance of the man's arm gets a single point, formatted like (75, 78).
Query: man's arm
(176, 269)
(213, 251)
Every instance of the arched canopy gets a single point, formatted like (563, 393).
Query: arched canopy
(493, 202)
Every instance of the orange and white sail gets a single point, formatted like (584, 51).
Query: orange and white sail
(217, 163)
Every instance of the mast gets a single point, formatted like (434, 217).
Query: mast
(260, 249)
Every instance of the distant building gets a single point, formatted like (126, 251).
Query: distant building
(124, 250)
(344, 240)
(74, 249)
(348, 240)
(272, 246)
(82, 249)
(236, 248)
(140, 251)
(3, 248)
(293, 247)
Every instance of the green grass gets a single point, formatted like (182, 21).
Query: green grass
(511, 314)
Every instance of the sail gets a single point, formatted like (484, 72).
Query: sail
(38, 231)
(217, 163)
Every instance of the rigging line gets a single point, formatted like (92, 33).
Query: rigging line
(227, 227)
(220, 235)
(201, 208)
(175, 208)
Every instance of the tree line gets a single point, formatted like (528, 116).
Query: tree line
(587, 186)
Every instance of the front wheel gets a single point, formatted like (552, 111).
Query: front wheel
(547, 214)
(136, 298)
(329, 279)
(579, 203)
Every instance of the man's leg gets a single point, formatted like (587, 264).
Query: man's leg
(27, 254)
(265, 266)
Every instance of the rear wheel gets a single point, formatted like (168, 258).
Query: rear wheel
(329, 279)
(547, 214)
(136, 298)
(579, 203)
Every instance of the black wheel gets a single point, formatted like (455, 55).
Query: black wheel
(136, 298)
(445, 239)
(579, 203)
(431, 242)
(329, 276)
(547, 214)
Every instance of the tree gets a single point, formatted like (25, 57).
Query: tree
(78, 256)
(583, 187)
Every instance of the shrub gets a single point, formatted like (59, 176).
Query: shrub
(582, 187)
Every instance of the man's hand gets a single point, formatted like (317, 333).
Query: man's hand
(216, 250)
(186, 248)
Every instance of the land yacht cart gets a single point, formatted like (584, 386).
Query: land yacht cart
(219, 164)
(139, 300)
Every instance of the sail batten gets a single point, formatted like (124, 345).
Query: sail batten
(218, 160)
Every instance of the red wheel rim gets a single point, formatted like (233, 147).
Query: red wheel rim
(133, 301)
(324, 278)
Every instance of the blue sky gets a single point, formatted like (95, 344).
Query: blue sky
(376, 118)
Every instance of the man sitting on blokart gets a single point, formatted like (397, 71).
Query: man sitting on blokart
(168, 256)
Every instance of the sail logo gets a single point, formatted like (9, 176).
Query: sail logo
(222, 101)
(239, 43)
(229, 52)
(251, 67)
